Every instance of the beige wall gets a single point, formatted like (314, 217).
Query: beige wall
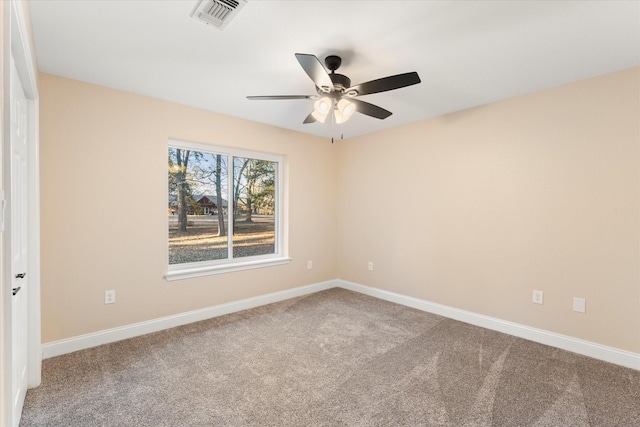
(476, 209)
(104, 216)
(473, 210)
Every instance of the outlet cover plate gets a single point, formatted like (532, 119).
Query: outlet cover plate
(109, 297)
(538, 297)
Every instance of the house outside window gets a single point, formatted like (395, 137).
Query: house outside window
(224, 210)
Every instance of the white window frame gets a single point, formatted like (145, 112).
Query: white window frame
(280, 255)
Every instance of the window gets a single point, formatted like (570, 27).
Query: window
(224, 210)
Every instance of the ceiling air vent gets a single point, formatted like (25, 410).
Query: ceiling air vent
(217, 12)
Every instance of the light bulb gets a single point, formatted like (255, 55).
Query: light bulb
(323, 104)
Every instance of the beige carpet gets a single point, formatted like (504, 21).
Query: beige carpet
(334, 358)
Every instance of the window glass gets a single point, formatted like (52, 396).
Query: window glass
(254, 203)
(198, 206)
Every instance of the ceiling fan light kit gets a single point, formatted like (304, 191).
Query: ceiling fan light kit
(342, 109)
(335, 93)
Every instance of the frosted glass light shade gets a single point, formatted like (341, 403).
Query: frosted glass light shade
(321, 109)
(344, 110)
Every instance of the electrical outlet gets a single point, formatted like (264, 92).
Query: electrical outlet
(538, 297)
(309, 265)
(580, 305)
(109, 297)
(370, 266)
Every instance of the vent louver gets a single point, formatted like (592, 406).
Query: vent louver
(217, 12)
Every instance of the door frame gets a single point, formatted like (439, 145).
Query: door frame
(16, 40)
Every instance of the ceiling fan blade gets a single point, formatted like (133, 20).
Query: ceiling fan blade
(370, 109)
(309, 119)
(275, 97)
(314, 69)
(386, 83)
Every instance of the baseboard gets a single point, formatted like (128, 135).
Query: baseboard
(575, 345)
(57, 348)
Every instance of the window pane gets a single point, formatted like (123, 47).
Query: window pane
(197, 206)
(254, 201)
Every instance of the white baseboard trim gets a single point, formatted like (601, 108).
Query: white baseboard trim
(81, 342)
(575, 345)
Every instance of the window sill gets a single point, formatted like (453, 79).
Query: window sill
(188, 273)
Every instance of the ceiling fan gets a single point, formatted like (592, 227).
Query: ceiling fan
(335, 93)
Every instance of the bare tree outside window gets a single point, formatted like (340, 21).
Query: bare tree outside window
(200, 186)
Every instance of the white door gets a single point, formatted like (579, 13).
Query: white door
(18, 237)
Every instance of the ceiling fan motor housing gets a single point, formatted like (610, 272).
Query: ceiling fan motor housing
(340, 84)
(340, 81)
(332, 62)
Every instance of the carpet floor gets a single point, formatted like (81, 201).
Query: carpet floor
(333, 358)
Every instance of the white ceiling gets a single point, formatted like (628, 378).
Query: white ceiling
(467, 53)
